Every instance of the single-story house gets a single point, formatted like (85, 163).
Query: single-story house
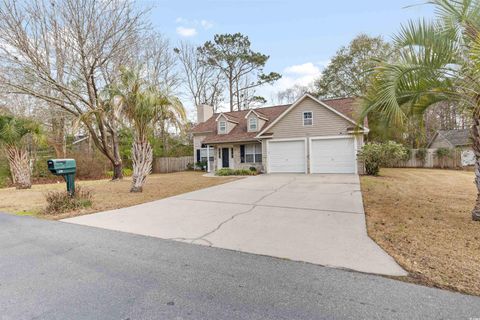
(455, 139)
(307, 136)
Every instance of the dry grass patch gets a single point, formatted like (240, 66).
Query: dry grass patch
(108, 195)
(422, 218)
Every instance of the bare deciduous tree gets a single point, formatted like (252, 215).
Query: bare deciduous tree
(291, 94)
(158, 63)
(64, 52)
(204, 82)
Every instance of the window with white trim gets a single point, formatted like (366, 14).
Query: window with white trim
(204, 152)
(222, 127)
(308, 118)
(252, 124)
(253, 153)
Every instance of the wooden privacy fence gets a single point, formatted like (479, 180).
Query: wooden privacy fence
(454, 160)
(170, 164)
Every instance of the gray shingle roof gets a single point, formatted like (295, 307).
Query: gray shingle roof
(459, 137)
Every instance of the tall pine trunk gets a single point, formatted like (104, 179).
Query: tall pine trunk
(142, 158)
(19, 162)
(476, 149)
(230, 90)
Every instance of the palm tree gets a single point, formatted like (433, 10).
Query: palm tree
(435, 61)
(143, 107)
(170, 114)
(15, 134)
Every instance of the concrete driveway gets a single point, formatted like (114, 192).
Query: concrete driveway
(311, 218)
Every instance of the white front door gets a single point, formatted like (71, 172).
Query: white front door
(332, 155)
(287, 156)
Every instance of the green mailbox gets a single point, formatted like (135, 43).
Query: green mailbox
(65, 168)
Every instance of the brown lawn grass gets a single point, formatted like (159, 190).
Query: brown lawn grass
(107, 195)
(422, 218)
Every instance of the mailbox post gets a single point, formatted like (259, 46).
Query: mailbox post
(65, 168)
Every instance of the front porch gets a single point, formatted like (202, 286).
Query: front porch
(232, 155)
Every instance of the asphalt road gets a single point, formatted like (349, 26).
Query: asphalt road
(56, 270)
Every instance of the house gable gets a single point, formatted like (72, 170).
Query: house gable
(325, 121)
(260, 121)
(450, 139)
(230, 123)
(440, 142)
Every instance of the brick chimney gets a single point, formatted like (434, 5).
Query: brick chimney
(204, 112)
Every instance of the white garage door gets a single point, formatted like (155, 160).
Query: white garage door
(286, 156)
(332, 156)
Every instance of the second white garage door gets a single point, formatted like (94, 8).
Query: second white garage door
(287, 156)
(332, 155)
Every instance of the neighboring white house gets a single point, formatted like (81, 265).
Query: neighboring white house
(308, 136)
(459, 139)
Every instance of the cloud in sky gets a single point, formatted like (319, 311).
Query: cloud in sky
(189, 28)
(186, 32)
(303, 69)
(181, 20)
(299, 74)
(206, 24)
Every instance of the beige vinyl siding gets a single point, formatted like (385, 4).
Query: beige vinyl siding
(260, 122)
(197, 141)
(230, 125)
(325, 122)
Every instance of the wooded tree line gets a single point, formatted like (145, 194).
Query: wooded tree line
(434, 74)
(97, 67)
(348, 74)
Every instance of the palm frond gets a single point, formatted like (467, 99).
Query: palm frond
(14, 130)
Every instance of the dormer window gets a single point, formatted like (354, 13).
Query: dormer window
(252, 124)
(222, 127)
(307, 118)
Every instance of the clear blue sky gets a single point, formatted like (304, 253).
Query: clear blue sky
(300, 36)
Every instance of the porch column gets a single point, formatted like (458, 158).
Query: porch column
(208, 158)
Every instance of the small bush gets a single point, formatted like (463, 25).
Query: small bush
(253, 169)
(190, 166)
(4, 173)
(127, 172)
(443, 153)
(421, 154)
(61, 201)
(201, 165)
(225, 172)
(40, 169)
(235, 172)
(376, 155)
(408, 154)
(89, 165)
(245, 172)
